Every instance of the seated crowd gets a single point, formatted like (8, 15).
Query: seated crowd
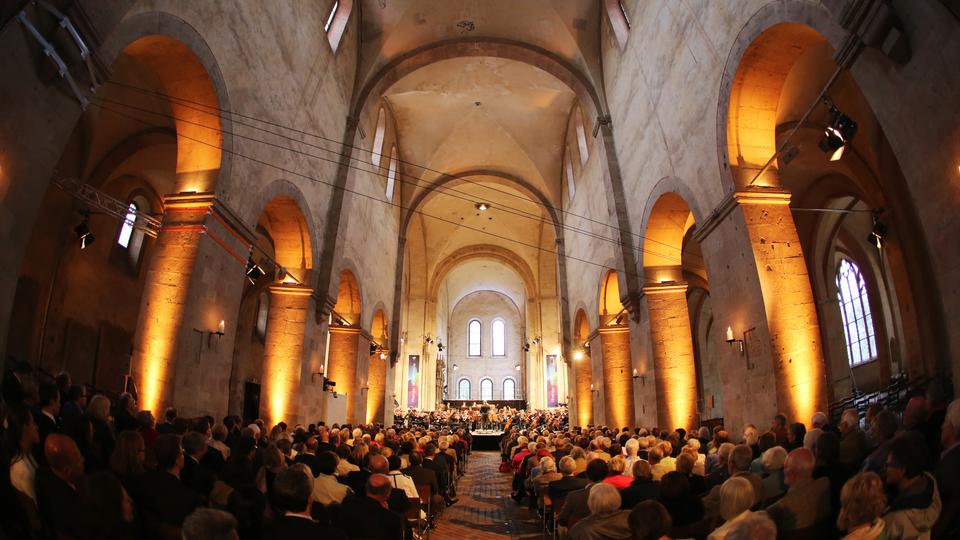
(92, 469)
(893, 476)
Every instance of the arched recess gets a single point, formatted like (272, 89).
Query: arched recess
(666, 249)
(614, 333)
(583, 370)
(377, 368)
(342, 362)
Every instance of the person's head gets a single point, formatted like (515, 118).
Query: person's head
(950, 431)
(170, 414)
(849, 421)
(195, 445)
(567, 465)
(99, 407)
(916, 413)
(603, 499)
(272, 457)
(63, 457)
(795, 433)
(548, 465)
(819, 420)
(597, 470)
(632, 447)
(766, 441)
(810, 439)
(378, 464)
(63, 381)
(674, 486)
(862, 500)
(642, 470)
(292, 490)
(685, 463)
(773, 459)
(378, 488)
(209, 524)
(327, 462)
(22, 433)
(906, 458)
(395, 462)
(736, 497)
(827, 448)
(127, 402)
(655, 455)
(168, 452)
(750, 435)
(798, 467)
(884, 426)
(649, 520)
(77, 394)
(754, 526)
(49, 396)
(723, 453)
(740, 458)
(145, 420)
(128, 454)
(779, 422)
(617, 465)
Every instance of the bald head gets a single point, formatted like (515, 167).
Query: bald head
(378, 487)
(64, 457)
(799, 466)
(378, 464)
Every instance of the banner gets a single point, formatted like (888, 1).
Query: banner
(552, 380)
(413, 375)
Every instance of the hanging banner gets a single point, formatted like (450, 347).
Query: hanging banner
(413, 375)
(552, 380)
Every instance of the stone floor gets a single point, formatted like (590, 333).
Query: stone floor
(485, 509)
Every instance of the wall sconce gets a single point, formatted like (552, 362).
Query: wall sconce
(219, 332)
(517, 367)
(536, 340)
(594, 391)
(743, 344)
(439, 346)
(456, 367)
(577, 355)
(428, 340)
(642, 378)
(731, 340)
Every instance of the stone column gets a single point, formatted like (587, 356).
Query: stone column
(342, 365)
(617, 375)
(583, 374)
(376, 386)
(283, 351)
(673, 360)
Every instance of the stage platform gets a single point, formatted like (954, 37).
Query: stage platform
(486, 439)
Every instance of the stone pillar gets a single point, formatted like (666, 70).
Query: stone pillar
(583, 374)
(376, 386)
(342, 365)
(617, 375)
(283, 351)
(673, 360)
(791, 313)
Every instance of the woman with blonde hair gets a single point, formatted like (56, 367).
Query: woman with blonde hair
(862, 501)
(102, 443)
(736, 498)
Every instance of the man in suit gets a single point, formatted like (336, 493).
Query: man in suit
(643, 487)
(164, 497)
(309, 456)
(57, 497)
(948, 474)
(423, 476)
(436, 462)
(324, 445)
(807, 502)
(559, 489)
(47, 416)
(292, 491)
(575, 508)
(194, 474)
(368, 516)
(169, 416)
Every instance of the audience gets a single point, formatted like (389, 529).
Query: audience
(606, 519)
(649, 520)
(915, 505)
(807, 501)
(863, 501)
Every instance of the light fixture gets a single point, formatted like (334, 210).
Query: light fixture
(578, 355)
(731, 340)
(456, 367)
(838, 134)
(526, 346)
(383, 356)
(517, 367)
(878, 234)
(83, 232)
(439, 346)
(482, 206)
(586, 344)
(374, 348)
(254, 272)
(428, 340)
(641, 378)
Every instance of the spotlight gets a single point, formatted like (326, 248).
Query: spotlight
(374, 348)
(83, 232)
(440, 346)
(878, 234)
(456, 367)
(526, 347)
(254, 272)
(586, 344)
(578, 355)
(838, 134)
(383, 356)
(518, 367)
(482, 206)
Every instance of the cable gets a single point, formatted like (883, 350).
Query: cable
(445, 191)
(416, 183)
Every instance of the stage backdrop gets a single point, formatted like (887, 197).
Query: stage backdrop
(552, 380)
(413, 388)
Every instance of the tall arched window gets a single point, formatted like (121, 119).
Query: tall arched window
(499, 340)
(486, 389)
(509, 389)
(463, 389)
(392, 174)
(377, 150)
(263, 311)
(473, 338)
(857, 317)
(568, 171)
(581, 136)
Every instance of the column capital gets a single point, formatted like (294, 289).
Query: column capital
(337, 329)
(615, 329)
(762, 195)
(189, 200)
(668, 287)
(290, 289)
(631, 302)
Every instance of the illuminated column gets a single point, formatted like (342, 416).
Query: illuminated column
(791, 313)
(617, 375)
(583, 374)
(283, 350)
(673, 361)
(377, 385)
(342, 365)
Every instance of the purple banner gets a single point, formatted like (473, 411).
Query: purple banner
(413, 374)
(552, 380)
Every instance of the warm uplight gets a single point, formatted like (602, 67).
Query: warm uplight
(578, 355)
(283, 350)
(482, 206)
(729, 335)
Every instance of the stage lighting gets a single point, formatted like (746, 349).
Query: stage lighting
(838, 134)
(878, 234)
(578, 355)
(254, 272)
(373, 348)
(83, 233)
(482, 206)
(526, 347)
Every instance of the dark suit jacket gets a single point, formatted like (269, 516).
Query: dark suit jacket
(45, 426)
(357, 481)
(575, 508)
(213, 460)
(560, 488)
(12, 389)
(310, 460)
(165, 497)
(197, 477)
(363, 517)
(423, 476)
(948, 482)
(291, 527)
(59, 504)
(439, 466)
(638, 492)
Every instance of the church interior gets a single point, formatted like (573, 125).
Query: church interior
(528, 221)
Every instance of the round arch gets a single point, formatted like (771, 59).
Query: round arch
(287, 207)
(488, 252)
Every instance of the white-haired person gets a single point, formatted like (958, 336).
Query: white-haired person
(631, 449)
(548, 473)
(755, 526)
(606, 520)
(773, 484)
(736, 498)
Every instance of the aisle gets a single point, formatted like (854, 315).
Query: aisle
(485, 509)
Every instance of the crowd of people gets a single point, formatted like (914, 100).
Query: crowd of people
(482, 416)
(87, 467)
(890, 476)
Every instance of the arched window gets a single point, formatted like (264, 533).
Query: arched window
(581, 136)
(509, 389)
(126, 230)
(486, 389)
(337, 20)
(857, 317)
(130, 238)
(392, 174)
(263, 310)
(473, 338)
(377, 149)
(463, 389)
(568, 171)
(499, 340)
(619, 21)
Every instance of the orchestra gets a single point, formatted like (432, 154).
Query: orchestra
(482, 417)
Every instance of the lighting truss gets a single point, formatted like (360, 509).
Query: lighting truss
(107, 204)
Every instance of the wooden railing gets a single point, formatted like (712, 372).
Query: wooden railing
(893, 397)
